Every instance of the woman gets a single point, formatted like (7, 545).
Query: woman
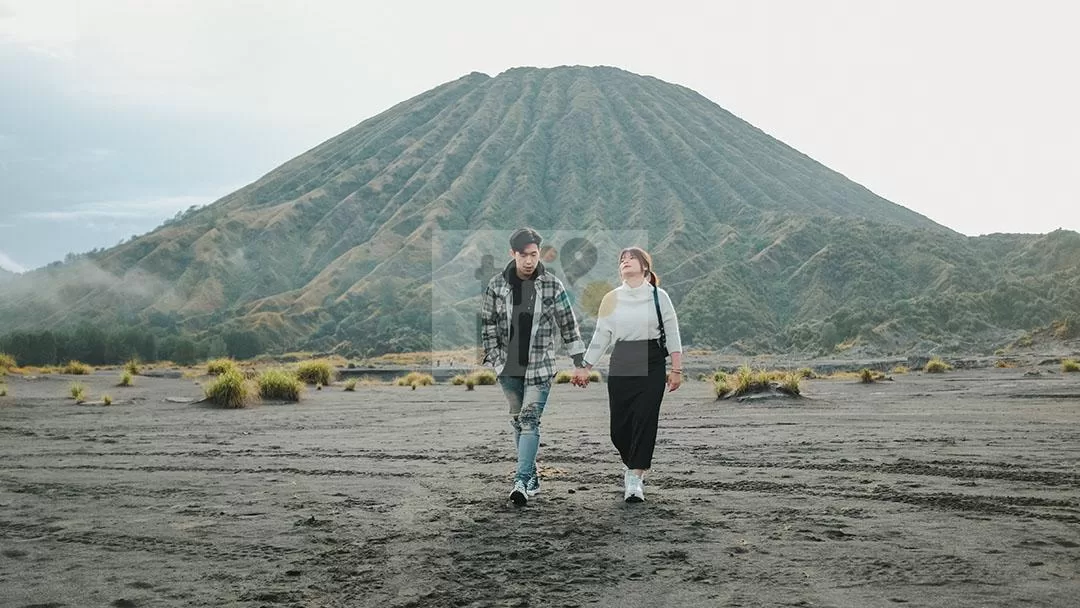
(639, 319)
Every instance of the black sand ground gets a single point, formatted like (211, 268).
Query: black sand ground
(933, 490)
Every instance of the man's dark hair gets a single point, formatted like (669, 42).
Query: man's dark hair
(523, 237)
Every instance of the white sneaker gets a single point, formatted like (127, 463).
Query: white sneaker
(519, 495)
(634, 488)
(533, 487)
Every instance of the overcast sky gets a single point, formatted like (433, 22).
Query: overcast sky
(116, 114)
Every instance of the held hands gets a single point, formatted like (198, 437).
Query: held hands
(581, 377)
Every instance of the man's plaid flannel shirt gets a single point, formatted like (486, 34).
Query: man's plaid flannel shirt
(553, 310)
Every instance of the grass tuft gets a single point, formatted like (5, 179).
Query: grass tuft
(132, 367)
(229, 390)
(790, 384)
(126, 379)
(720, 383)
(77, 392)
(564, 377)
(107, 400)
(279, 385)
(458, 380)
(350, 385)
(485, 377)
(7, 362)
(76, 368)
(319, 371)
(221, 366)
(1070, 365)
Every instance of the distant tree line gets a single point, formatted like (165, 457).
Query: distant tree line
(96, 346)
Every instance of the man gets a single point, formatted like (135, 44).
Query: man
(522, 308)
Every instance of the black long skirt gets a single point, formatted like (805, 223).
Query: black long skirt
(636, 383)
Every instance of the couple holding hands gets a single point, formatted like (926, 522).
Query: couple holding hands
(524, 307)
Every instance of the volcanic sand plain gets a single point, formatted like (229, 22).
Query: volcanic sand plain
(955, 489)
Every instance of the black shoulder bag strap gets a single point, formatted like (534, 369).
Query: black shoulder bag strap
(660, 319)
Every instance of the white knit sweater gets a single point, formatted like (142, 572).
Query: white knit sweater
(629, 313)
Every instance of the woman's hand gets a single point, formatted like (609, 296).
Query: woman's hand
(674, 380)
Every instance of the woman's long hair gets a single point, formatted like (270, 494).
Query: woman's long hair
(645, 259)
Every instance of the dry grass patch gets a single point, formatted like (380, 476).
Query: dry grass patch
(936, 366)
(1070, 365)
(870, 376)
(415, 379)
(424, 359)
(746, 381)
(372, 381)
(843, 375)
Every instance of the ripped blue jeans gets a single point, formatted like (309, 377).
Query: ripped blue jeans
(527, 403)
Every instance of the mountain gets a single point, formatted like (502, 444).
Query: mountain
(6, 275)
(351, 245)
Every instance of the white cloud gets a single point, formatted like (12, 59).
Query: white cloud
(840, 81)
(120, 210)
(46, 26)
(9, 264)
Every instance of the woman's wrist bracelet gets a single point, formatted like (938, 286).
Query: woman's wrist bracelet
(676, 371)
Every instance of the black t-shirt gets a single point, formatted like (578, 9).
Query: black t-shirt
(521, 320)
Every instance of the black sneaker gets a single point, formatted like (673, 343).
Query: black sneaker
(519, 495)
